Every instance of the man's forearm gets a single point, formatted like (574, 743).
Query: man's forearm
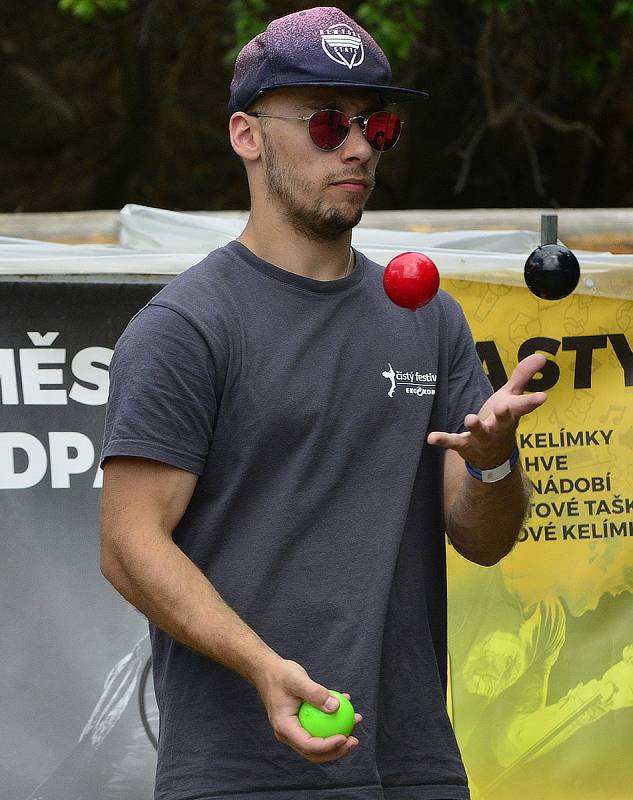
(163, 584)
(485, 518)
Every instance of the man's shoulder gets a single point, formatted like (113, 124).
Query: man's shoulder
(201, 292)
(212, 272)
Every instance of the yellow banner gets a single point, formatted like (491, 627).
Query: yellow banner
(541, 644)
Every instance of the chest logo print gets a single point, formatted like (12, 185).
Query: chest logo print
(413, 382)
(343, 45)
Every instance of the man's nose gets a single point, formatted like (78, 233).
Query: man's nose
(356, 145)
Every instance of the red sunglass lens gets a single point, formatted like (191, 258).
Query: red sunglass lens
(328, 129)
(383, 130)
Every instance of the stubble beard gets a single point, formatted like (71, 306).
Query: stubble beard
(316, 221)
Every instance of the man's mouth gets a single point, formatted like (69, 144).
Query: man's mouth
(352, 184)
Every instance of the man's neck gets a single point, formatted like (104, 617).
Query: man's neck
(288, 249)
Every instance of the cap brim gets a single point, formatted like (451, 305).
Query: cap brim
(393, 94)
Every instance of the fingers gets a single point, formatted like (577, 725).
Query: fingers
(502, 412)
(525, 371)
(314, 748)
(282, 693)
(526, 403)
(449, 441)
(318, 696)
(320, 750)
(490, 434)
(358, 718)
(474, 424)
(506, 411)
(332, 754)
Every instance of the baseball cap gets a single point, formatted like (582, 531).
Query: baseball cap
(316, 47)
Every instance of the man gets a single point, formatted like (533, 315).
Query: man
(268, 503)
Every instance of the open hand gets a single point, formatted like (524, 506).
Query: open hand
(282, 689)
(489, 438)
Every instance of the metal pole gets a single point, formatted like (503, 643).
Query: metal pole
(549, 229)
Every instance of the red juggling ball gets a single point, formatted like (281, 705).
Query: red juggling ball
(411, 280)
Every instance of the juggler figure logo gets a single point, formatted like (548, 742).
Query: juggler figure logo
(414, 382)
(342, 45)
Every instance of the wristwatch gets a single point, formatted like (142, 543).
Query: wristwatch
(496, 473)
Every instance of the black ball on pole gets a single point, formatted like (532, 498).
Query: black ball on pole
(551, 271)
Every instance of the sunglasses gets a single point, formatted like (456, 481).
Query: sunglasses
(329, 128)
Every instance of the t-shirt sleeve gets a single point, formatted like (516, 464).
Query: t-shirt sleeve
(162, 398)
(468, 386)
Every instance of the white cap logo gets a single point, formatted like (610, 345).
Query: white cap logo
(342, 45)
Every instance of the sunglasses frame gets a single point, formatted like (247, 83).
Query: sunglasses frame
(350, 120)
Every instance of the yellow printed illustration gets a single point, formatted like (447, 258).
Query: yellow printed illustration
(541, 644)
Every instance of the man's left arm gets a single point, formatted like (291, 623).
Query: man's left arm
(483, 519)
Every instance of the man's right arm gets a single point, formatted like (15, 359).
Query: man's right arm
(142, 502)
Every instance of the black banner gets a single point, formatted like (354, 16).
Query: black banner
(78, 713)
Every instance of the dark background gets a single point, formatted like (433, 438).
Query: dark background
(531, 103)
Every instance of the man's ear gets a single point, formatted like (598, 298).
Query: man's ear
(245, 136)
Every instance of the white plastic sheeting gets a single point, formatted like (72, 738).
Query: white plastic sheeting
(159, 242)
(144, 228)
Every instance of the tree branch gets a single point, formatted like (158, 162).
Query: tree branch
(466, 154)
(537, 176)
(561, 126)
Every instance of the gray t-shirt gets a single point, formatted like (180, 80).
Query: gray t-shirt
(304, 407)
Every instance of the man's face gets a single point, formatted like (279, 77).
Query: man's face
(308, 183)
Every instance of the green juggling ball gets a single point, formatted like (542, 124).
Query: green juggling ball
(320, 723)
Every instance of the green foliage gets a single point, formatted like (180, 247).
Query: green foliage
(398, 24)
(623, 8)
(500, 6)
(250, 17)
(587, 71)
(86, 10)
(585, 10)
(395, 24)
